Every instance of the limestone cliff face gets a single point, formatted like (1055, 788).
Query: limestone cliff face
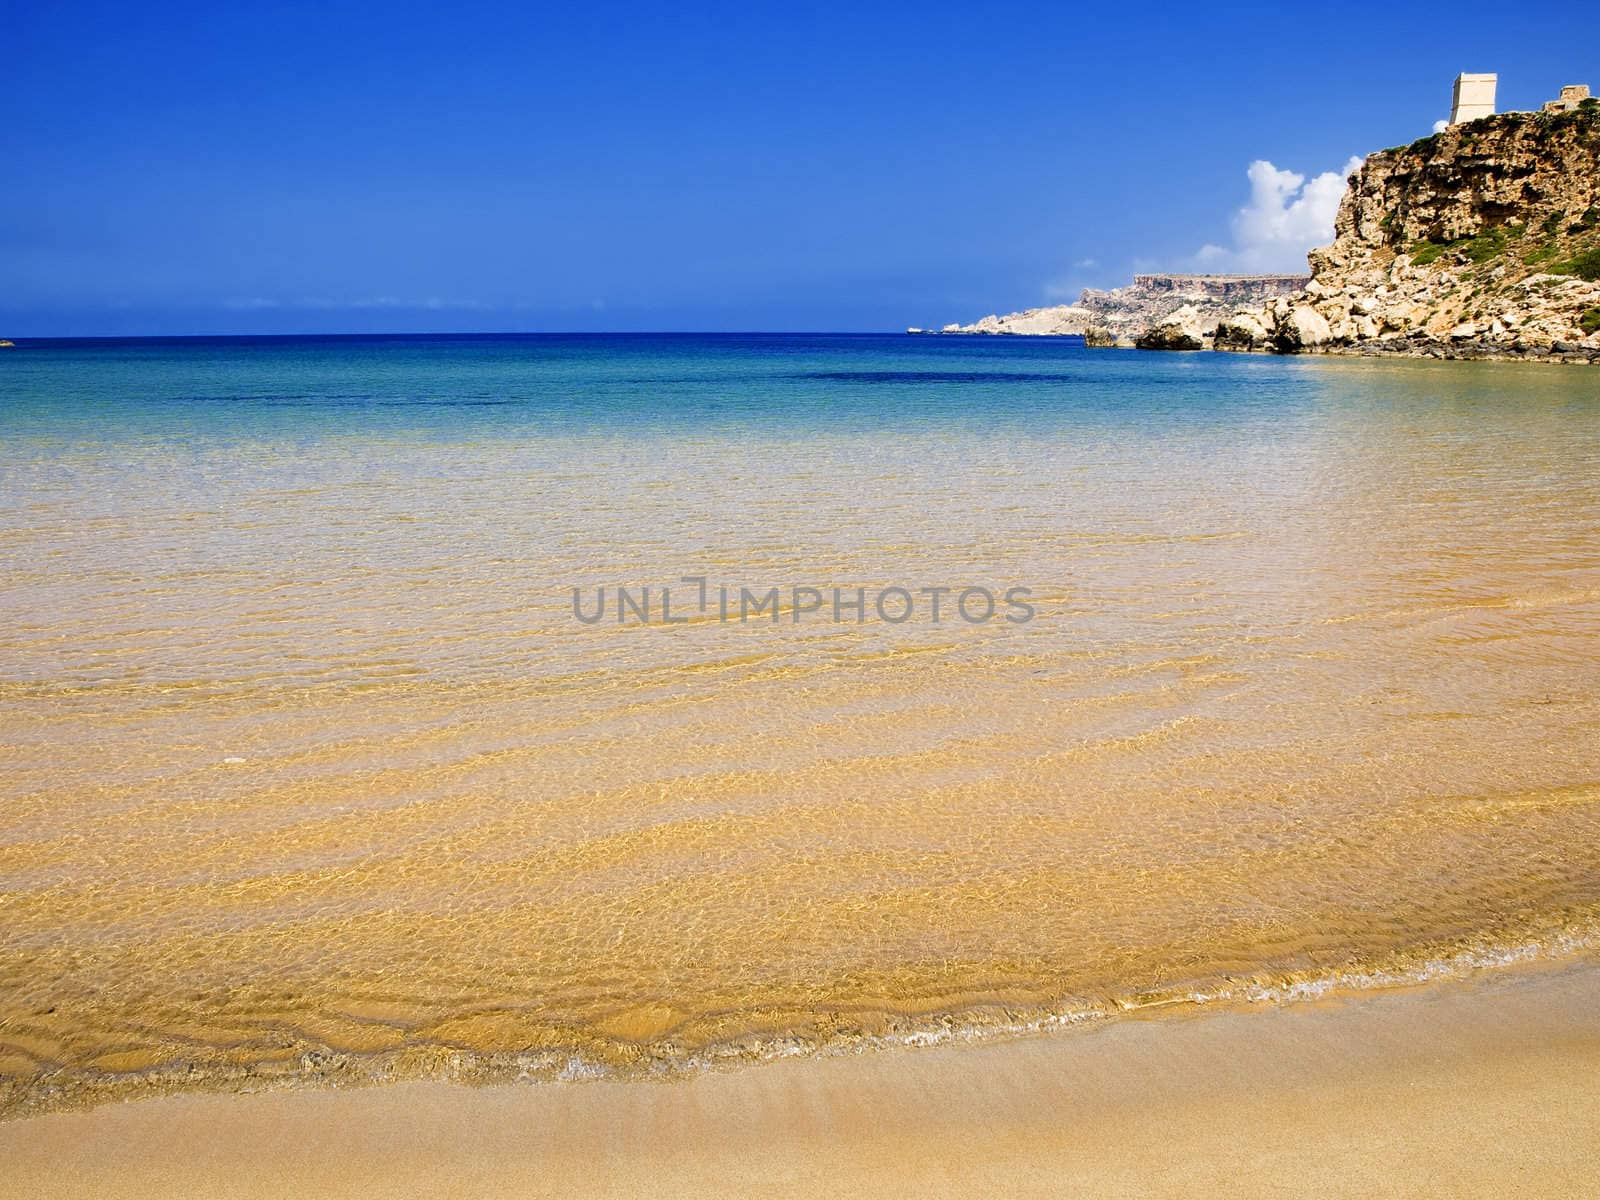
(1481, 241)
(1515, 168)
(1152, 299)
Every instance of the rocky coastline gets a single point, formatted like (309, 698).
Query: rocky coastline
(1478, 242)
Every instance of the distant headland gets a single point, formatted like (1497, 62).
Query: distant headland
(1121, 314)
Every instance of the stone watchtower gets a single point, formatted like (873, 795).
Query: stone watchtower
(1474, 98)
(1571, 97)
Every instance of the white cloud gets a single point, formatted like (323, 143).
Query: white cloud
(1440, 126)
(1286, 216)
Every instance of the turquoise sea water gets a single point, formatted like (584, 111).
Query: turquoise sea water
(492, 385)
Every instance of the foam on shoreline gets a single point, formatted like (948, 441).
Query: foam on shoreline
(1462, 1089)
(863, 1032)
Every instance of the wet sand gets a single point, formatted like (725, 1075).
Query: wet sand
(1484, 1088)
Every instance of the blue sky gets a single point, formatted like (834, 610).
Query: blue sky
(331, 167)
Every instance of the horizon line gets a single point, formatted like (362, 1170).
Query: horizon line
(19, 339)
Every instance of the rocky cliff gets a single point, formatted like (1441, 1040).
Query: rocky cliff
(1151, 300)
(1479, 242)
(1106, 316)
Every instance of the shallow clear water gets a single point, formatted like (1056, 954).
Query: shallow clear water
(310, 768)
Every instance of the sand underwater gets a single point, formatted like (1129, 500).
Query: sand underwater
(313, 774)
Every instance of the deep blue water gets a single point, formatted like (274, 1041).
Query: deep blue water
(448, 386)
(508, 384)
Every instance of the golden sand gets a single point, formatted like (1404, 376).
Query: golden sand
(1484, 1090)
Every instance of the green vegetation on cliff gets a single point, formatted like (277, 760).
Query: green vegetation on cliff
(1585, 265)
(1484, 247)
(1574, 252)
(1482, 166)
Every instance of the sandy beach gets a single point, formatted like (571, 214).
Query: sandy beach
(1483, 1088)
(521, 677)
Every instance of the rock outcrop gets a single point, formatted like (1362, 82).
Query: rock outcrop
(1482, 241)
(1185, 329)
(1098, 337)
(1285, 324)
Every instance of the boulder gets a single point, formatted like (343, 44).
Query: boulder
(1184, 329)
(1244, 330)
(1303, 328)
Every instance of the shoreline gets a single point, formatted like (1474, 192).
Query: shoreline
(1455, 1088)
(1422, 349)
(1568, 938)
(1433, 348)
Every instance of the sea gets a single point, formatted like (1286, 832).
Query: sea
(561, 707)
